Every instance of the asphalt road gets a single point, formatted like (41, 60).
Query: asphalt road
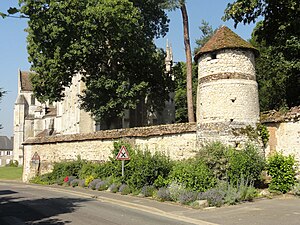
(34, 204)
(31, 204)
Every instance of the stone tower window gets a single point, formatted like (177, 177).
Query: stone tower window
(213, 55)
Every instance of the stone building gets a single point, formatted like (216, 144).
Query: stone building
(32, 119)
(6, 150)
(227, 95)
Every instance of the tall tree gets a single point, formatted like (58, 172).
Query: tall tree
(173, 4)
(109, 41)
(207, 32)
(278, 38)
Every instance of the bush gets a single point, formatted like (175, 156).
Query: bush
(93, 184)
(114, 188)
(74, 183)
(144, 168)
(175, 190)
(148, 190)
(81, 183)
(12, 163)
(214, 196)
(247, 164)
(193, 174)
(282, 170)
(163, 194)
(296, 189)
(102, 185)
(187, 197)
(124, 189)
(88, 180)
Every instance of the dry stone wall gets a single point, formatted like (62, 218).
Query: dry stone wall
(176, 140)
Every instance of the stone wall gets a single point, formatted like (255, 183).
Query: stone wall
(284, 130)
(176, 140)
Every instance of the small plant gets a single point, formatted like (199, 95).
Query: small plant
(93, 184)
(175, 190)
(187, 197)
(214, 196)
(148, 190)
(282, 170)
(74, 183)
(88, 180)
(114, 188)
(163, 194)
(81, 183)
(296, 189)
(124, 189)
(102, 185)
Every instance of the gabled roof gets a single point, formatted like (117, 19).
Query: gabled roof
(224, 38)
(26, 84)
(5, 143)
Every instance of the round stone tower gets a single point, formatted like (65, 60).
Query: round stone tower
(227, 95)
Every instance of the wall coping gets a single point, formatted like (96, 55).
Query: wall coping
(274, 116)
(142, 132)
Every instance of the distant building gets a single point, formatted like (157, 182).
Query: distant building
(32, 118)
(6, 150)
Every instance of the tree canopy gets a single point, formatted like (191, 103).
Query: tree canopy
(277, 37)
(110, 42)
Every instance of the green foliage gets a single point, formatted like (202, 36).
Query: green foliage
(247, 163)
(263, 133)
(175, 190)
(207, 32)
(194, 174)
(109, 41)
(296, 189)
(88, 180)
(124, 189)
(12, 163)
(282, 170)
(179, 70)
(277, 37)
(148, 190)
(216, 157)
(144, 168)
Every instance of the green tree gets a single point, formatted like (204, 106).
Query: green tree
(1, 96)
(109, 41)
(173, 4)
(207, 32)
(277, 36)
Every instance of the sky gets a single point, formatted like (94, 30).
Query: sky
(14, 54)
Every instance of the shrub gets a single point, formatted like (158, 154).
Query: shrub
(144, 168)
(214, 196)
(102, 185)
(175, 190)
(193, 174)
(163, 194)
(12, 163)
(124, 189)
(296, 189)
(247, 163)
(215, 155)
(148, 190)
(114, 188)
(74, 183)
(187, 197)
(88, 180)
(282, 170)
(93, 184)
(81, 183)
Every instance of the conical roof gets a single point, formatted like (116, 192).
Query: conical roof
(224, 38)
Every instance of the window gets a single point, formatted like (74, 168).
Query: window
(32, 100)
(7, 152)
(213, 55)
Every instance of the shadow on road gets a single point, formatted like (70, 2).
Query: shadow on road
(15, 210)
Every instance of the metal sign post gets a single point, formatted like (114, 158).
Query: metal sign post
(123, 155)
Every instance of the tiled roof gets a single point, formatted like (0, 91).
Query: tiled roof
(224, 38)
(26, 84)
(5, 143)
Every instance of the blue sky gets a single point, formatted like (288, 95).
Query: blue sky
(14, 55)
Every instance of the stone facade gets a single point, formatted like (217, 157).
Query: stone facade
(284, 130)
(227, 94)
(176, 140)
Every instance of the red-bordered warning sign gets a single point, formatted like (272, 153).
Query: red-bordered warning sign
(123, 154)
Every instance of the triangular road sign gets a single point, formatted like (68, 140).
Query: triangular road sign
(123, 154)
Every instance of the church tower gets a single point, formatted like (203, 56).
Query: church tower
(227, 95)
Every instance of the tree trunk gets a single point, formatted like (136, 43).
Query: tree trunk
(188, 54)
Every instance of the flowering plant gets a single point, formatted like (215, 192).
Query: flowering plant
(66, 179)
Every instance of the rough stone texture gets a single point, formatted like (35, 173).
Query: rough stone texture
(176, 140)
(284, 130)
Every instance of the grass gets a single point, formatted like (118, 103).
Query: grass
(11, 173)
